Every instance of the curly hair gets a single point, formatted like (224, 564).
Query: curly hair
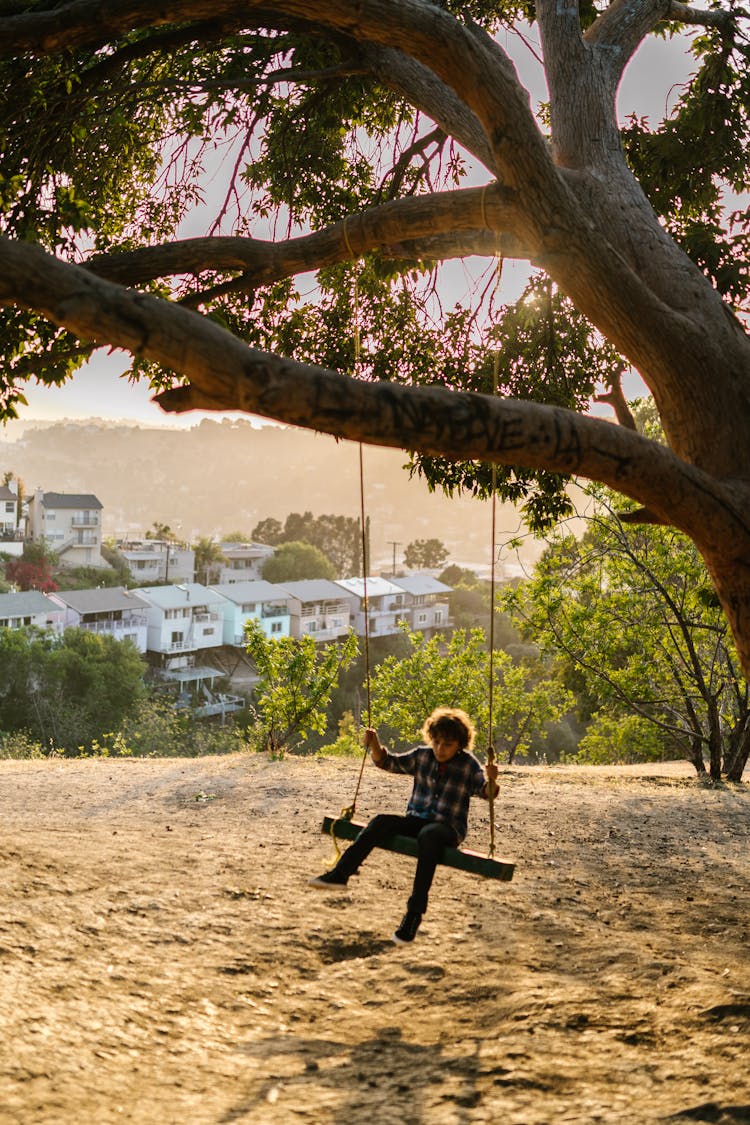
(450, 722)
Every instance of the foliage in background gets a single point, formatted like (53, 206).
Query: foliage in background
(455, 672)
(339, 538)
(348, 742)
(155, 729)
(296, 678)
(208, 559)
(67, 690)
(293, 562)
(33, 570)
(20, 744)
(630, 615)
(425, 554)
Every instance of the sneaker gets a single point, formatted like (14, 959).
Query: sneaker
(329, 881)
(407, 931)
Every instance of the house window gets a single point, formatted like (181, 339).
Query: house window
(421, 618)
(312, 627)
(275, 626)
(177, 637)
(209, 632)
(438, 616)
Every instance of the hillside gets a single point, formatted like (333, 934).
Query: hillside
(225, 476)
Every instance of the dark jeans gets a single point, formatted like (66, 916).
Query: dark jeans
(431, 836)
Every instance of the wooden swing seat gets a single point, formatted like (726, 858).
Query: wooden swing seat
(460, 858)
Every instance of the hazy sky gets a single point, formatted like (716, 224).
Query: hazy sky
(98, 391)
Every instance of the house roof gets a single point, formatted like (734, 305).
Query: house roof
(100, 600)
(178, 596)
(70, 500)
(6, 494)
(314, 590)
(257, 591)
(376, 587)
(422, 584)
(238, 550)
(26, 603)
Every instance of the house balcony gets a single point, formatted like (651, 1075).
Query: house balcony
(91, 520)
(114, 627)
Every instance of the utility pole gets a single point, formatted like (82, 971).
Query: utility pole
(394, 544)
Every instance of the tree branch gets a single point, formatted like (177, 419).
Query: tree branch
(227, 375)
(718, 17)
(389, 229)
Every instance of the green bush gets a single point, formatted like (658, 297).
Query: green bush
(20, 744)
(610, 741)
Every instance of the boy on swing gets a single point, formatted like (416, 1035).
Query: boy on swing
(446, 776)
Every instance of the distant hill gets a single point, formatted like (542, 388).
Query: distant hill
(225, 476)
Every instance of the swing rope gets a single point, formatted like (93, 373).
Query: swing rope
(491, 756)
(347, 813)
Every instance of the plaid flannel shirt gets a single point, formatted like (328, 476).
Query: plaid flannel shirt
(439, 797)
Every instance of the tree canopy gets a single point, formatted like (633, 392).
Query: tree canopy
(296, 560)
(638, 632)
(363, 145)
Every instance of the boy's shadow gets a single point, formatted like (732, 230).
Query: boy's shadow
(398, 1070)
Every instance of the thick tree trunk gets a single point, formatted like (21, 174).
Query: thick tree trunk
(696, 756)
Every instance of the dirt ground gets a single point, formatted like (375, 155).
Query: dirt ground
(163, 959)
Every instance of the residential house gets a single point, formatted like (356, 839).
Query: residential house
(69, 523)
(158, 560)
(319, 608)
(30, 607)
(259, 601)
(184, 621)
(243, 562)
(107, 609)
(426, 606)
(386, 605)
(11, 534)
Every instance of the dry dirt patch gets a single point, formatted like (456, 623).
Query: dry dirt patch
(163, 959)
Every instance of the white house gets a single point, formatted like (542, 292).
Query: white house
(30, 607)
(386, 605)
(319, 608)
(158, 560)
(11, 534)
(243, 562)
(114, 610)
(70, 523)
(426, 602)
(181, 620)
(259, 601)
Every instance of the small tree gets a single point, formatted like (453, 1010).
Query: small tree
(33, 571)
(296, 680)
(630, 614)
(292, 562)
(208, 558)
(425, 554)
